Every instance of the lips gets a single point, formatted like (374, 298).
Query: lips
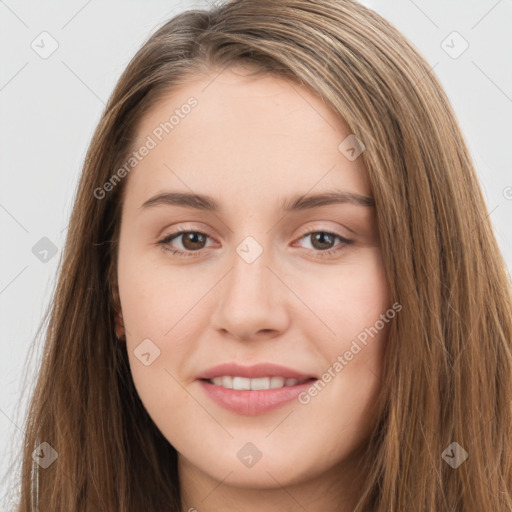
(252, 390)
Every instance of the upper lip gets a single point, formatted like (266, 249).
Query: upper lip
(252, 372)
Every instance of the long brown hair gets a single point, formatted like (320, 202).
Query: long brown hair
(448, 365)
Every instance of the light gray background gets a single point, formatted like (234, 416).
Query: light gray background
(49, 108)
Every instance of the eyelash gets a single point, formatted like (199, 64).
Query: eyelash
(163, 243)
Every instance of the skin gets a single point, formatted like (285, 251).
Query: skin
(251, 143)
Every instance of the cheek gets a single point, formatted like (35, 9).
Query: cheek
(354, 305)
(153, 304)
(161, 326)
(349, 297)
(154, 295)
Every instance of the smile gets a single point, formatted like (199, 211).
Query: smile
(261, 383)
(252, 390)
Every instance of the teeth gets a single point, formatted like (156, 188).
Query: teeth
(241, 383)
(225, 382)
(277, 382)
(260, 383)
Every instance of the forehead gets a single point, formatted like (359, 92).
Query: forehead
(253, 135)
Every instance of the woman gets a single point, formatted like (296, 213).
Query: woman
(280, 288)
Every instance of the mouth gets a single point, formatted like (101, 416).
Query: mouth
(253, 390)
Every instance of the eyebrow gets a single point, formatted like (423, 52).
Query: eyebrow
(304, 202)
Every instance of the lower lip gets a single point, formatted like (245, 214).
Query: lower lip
(252, 403)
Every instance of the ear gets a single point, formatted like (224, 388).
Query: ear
(119, 326)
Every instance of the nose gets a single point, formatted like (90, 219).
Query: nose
(252, 301)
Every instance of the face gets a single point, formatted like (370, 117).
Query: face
(284, 290)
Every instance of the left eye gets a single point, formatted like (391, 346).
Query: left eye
(321, 239)
(193, 241)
